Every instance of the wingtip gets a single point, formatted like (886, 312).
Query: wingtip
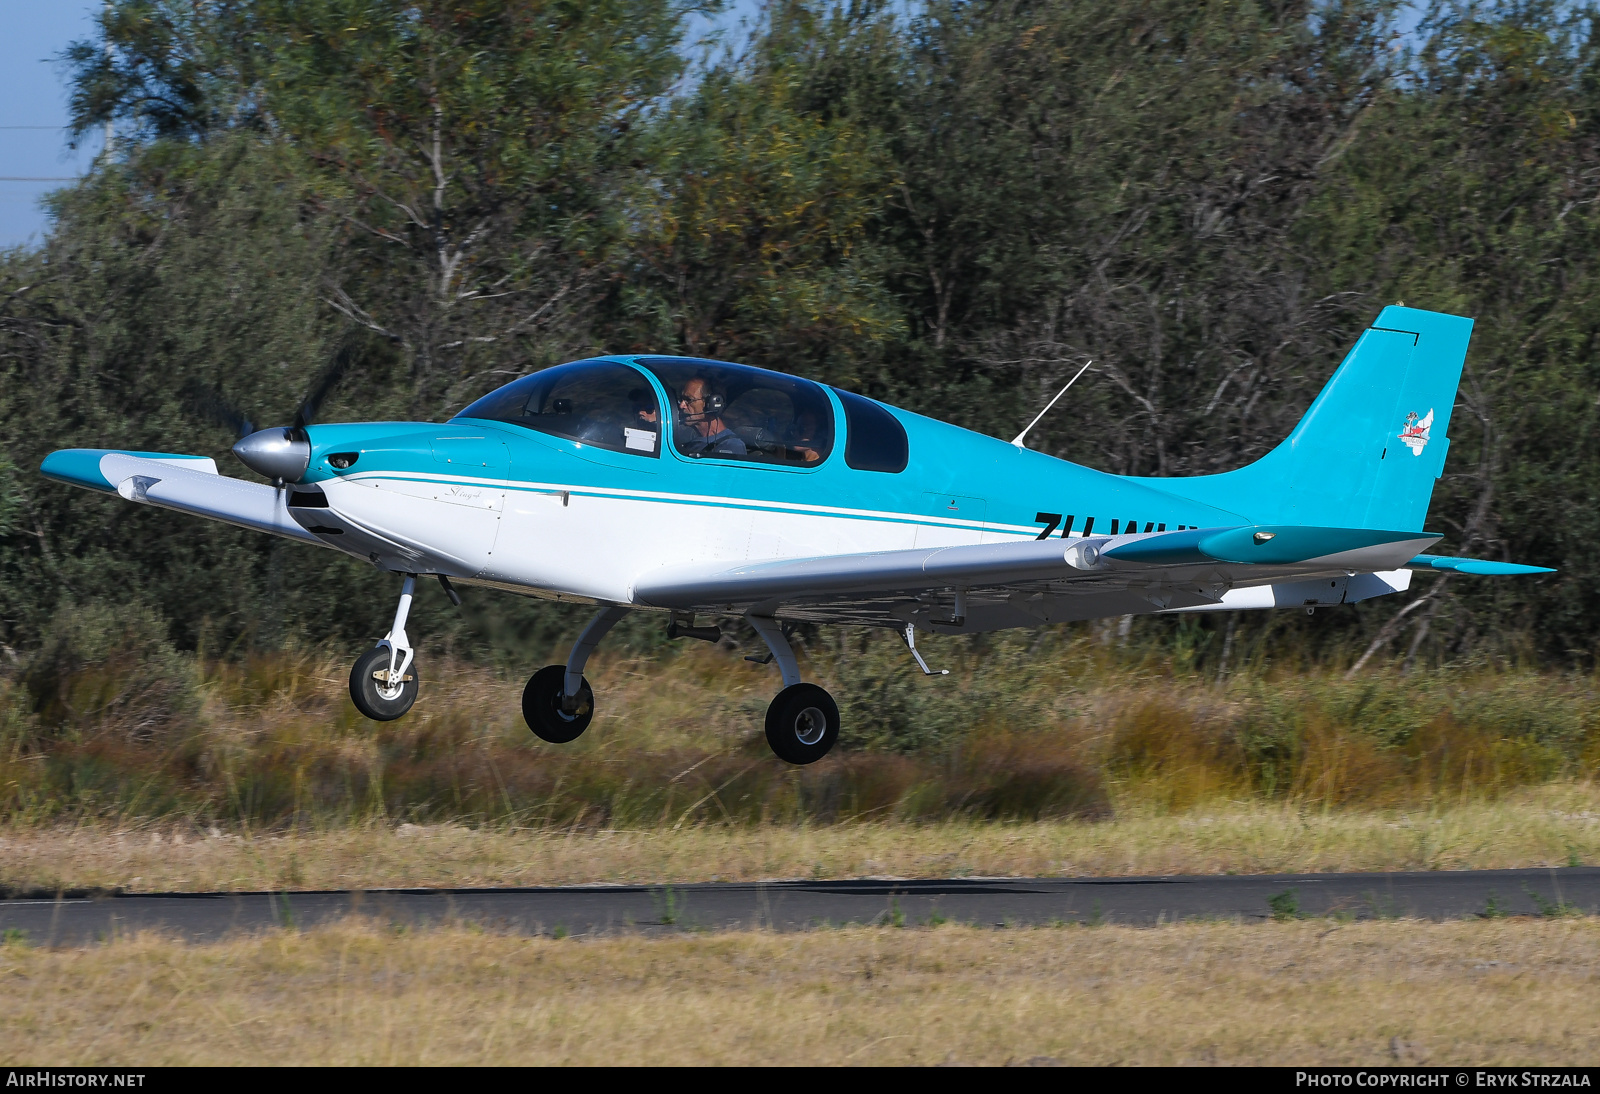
(77, 467)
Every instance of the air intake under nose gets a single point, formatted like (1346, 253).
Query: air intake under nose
(278, 453)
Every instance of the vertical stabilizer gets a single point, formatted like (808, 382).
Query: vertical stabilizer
(1368, 451)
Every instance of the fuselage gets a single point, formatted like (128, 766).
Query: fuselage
(691, 485)
(496, 503)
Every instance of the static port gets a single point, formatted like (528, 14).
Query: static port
(341, 461)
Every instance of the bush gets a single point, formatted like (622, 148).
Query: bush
(105, 670)
(106, 719)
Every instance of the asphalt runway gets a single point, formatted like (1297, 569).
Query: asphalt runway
(801, 905)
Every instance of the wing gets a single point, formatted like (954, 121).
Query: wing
(189, 484)
(1022, 584)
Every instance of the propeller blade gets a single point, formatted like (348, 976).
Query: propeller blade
(215, 407)
(329, 379)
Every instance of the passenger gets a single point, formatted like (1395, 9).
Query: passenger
(803, 438)
(645, 414)
(700, 408)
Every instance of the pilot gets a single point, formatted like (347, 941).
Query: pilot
(700, 408)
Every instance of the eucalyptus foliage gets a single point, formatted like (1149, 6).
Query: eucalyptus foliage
(385, 209)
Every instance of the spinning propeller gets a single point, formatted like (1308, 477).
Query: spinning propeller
(282, 453)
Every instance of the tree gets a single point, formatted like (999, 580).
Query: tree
(754, 237)
(476, 152)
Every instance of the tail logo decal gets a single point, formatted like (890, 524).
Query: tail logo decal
(1414, 434)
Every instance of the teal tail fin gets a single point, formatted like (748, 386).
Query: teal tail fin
(1368, 451)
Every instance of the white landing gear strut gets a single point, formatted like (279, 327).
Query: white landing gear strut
(910, 635)
(572, 680)
(399, 645)
(773, 635)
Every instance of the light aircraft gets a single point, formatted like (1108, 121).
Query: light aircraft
(697, 488)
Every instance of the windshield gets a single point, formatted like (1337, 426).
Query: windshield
(601, 403)
(735, 412)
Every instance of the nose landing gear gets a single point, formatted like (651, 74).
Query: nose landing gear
(383, 683)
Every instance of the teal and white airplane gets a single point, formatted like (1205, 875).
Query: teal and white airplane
(699, 488)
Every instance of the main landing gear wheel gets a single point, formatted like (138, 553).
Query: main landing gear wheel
(541, 706)
(802, 723)
(374, 694)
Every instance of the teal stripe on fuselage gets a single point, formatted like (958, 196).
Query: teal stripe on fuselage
(1010, 484)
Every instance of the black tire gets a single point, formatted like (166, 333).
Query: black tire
(541, 706)
(802, 724)
(369, 695)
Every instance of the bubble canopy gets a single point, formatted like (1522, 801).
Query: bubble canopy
(717, 410)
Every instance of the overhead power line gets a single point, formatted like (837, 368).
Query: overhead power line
(38, 178)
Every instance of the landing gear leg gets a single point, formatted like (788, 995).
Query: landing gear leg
(803, 721)
(383, 683)
(558, 703)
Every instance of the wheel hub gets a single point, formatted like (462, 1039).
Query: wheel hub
(809, 725)
(390, 684)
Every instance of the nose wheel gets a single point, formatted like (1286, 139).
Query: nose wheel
(378, 692)
(383, 684)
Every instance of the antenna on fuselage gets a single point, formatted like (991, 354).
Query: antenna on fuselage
(1017, 440)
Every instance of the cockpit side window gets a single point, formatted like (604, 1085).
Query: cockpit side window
(735, 412)
(876, 441)
(600, 403)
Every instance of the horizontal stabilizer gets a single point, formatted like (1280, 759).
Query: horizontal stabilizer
(1474, 566)
(1274, 545)
(188, 484)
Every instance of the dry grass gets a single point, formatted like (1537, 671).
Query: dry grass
(1069, 730)
(1544, 826)
(1460, 993)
